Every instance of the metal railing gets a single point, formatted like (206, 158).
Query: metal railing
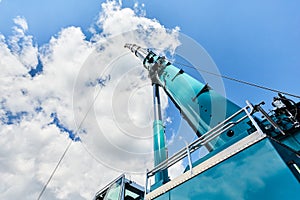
(228, 123)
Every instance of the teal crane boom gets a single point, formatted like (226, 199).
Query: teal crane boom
(201, 106)
(249, 157)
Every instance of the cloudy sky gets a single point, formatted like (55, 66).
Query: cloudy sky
(65, 75)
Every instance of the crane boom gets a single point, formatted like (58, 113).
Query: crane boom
(243, 149)
(201, 106)
(198, 103)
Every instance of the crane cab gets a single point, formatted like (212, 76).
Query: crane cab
(121, 189)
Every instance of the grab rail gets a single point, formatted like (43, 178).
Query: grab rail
(205, 139)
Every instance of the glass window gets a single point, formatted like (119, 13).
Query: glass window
(133, 193)
(114, 192)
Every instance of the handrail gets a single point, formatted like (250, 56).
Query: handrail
(206, 138)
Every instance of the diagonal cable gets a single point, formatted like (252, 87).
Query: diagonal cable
(67, 148)
(239, 81)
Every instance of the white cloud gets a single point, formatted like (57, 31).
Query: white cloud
(22, 45)
(176, 170)
(30, 145)
(21, 21)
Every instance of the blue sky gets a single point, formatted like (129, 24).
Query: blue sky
(253, 41)
(47, 18)
(256, 41)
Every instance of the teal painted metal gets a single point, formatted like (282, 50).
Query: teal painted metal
(159, 146)
(203, 109)
(292, 141)
(287, 119)
(201, 106)
(258, 172)
(160, 150)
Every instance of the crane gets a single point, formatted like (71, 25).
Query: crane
(248, 156)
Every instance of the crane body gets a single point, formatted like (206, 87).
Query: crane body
(248, 158)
